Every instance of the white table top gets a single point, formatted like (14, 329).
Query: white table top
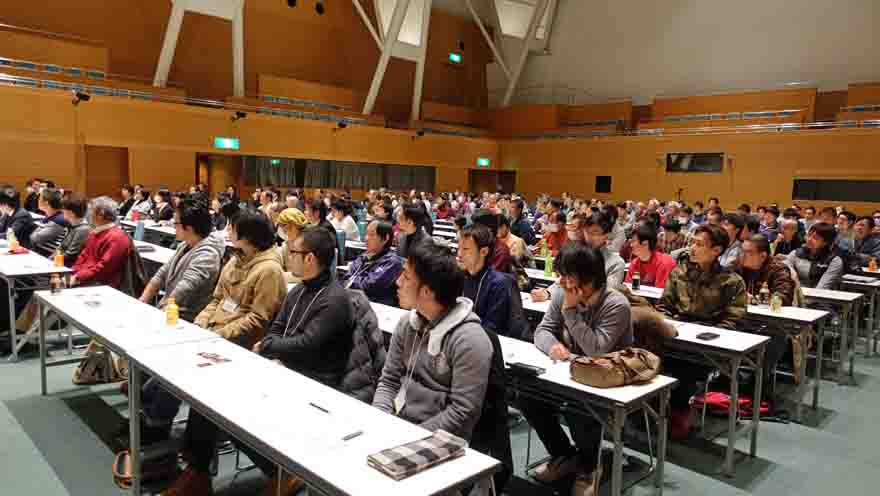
(294, 432)
(865, 281)
(538, 275)
(534, 306)
(27, 264)
(727, 340)
(444, 234)
(865, 272)
(121, 321)
(791, 314)
(831, 295)
(647, 292)
(151, 225)
(515, 350)
(159, 255)
(355, 245)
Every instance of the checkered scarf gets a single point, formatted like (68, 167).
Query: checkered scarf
(409, 459)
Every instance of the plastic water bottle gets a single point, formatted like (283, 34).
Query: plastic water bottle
(139, 231)
(636, 281)
(548, 265)
(58, 258)
(172, 312)
(13, 240)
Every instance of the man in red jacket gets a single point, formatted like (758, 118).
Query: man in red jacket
(653, 265)
(107, 248)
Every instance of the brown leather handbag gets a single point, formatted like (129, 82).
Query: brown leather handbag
(627, 366)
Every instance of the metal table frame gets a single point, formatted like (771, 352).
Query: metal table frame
(18, 344)
(872, 293)
(728, 363)
(849, 332)
(611, 415)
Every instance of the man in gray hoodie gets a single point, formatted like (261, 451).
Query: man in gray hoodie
(586, 317)
(437, 369)
(189, 277)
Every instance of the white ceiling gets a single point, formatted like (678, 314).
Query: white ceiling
(602, 50)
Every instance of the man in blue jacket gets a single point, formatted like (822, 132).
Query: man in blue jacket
(376, 271)
(519, 226)
(486, 287)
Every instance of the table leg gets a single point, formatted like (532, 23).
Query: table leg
(12, 341)
(617, 421)
(854, 338)
(802, 388)
(662, 435)
(756, 401)
(731, 417)
(134, 423)
(41, 314)
(844, 344)
(871, 343)
(820, 347)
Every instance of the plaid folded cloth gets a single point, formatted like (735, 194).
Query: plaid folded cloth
(408, 459)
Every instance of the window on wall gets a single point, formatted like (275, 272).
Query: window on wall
(694, 162)
(286, 172)
(836, 190)
(603, 184)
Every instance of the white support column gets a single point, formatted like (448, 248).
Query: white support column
(495, 50)
(397, 17)
(420, 63)
(238, 51)
(366, 19)
(537, 15)
(172, 33)
(495, 22)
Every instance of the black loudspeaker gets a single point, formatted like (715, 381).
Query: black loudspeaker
(603, 184)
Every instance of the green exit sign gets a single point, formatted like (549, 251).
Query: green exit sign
(275, 161)
(483, 162)
(455, 58)
(222, 143)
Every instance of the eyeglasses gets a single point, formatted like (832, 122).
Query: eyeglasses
(300, 252)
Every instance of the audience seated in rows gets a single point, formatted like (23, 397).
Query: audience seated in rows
(47, 236)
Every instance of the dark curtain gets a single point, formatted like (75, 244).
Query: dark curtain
(260, 171)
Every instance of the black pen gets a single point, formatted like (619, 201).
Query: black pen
(319, 408)
(352, 435)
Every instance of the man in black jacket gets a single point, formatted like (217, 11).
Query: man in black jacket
(14, 217)
(312, 332)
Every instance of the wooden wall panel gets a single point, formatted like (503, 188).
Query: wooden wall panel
(334, 48)
(106, 170)
(35, 47)
(157, 168)
(23, 160)
(576, 114)
(451, 114)
(307, 90)
(863, 94)
(753, 101)
(162, 136)
(525, 119)
(223, 170)
(452, 179)
(760, 169)
(828, 104)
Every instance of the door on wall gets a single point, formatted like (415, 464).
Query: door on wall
(106, 170)
(483, 180)
(507, 180)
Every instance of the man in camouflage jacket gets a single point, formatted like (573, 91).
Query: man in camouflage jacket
(700, 291)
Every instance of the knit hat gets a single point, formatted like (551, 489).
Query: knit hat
(292, 216)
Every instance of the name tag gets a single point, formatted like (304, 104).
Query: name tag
(229, 305)
(400, 401)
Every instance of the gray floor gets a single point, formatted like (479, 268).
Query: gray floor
(60, 444)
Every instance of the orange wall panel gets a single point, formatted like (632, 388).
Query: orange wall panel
(753, 101)
(156, 168)
(36, 47)
(863, 94)
(106, 170)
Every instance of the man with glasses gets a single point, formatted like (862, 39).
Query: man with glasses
(586, 317)
(866, 244)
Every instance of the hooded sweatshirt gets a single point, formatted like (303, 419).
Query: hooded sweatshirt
(191, 274)
(248, 295)
(46, 237)
(450, 373)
